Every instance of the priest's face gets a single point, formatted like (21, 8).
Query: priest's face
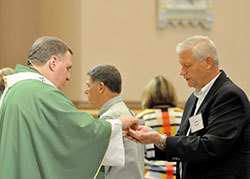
(62, 75)
(92, 92)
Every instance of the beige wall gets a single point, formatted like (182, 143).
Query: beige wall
(123, 33)
(19, 26)
(62, 18)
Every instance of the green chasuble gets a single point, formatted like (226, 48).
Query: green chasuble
(43, 135)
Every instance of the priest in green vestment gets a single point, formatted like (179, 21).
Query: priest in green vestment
(42, 134)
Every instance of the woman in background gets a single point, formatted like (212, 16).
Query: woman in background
(161, 113)
(3, 72)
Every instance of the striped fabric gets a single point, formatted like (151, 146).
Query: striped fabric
(165, 121)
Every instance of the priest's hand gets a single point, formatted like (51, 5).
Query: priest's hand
(129, 122)
(144, 135)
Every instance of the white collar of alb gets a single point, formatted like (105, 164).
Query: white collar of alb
(11, 80)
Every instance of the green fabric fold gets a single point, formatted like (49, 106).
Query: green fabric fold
(43, 135)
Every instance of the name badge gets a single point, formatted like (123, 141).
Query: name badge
(196, 123)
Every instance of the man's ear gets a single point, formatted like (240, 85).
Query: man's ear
(102, 87)
(53, 61)
(209, 62)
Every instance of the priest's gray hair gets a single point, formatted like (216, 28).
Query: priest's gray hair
(45, 47)
(107, 74)
(201, 47)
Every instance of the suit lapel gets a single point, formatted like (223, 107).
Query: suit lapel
(213, 89)
(189, 110)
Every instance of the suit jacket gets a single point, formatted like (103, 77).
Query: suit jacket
(134, 153)
(221, 150)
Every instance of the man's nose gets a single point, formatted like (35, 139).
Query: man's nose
(182, 72)
(86, 91)
(68, 77)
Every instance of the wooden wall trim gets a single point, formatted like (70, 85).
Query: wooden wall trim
(86, 105)
(131, 104)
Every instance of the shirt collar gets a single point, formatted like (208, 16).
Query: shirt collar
(203, 92)
(109, 103)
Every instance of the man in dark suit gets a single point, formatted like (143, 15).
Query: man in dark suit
(214, 137)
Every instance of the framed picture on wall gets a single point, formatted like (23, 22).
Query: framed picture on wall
(185, 12)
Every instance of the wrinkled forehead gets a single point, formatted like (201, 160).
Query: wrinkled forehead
(89, 80)
(185, 55)
(67, 58)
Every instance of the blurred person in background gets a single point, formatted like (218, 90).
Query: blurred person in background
(3, 72)
(159, 101)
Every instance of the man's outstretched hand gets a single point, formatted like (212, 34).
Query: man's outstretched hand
(144, 135)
